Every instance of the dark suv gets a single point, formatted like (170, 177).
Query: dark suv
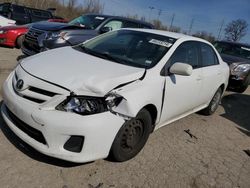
(44, 36)
(23, 15)
(237, 56)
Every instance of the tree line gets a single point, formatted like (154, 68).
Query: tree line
(69, 9)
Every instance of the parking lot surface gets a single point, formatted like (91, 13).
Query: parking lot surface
(212, 155)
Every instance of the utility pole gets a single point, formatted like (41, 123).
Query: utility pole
(172, 21)
(151, 8)
(159, 13)
(191, 26)
(221, 26)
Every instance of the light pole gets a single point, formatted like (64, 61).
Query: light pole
(151, 8)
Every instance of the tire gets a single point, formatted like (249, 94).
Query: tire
(19, 41)
(131, 137)
(214, 103)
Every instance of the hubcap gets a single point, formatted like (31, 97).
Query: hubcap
(215, 101)
(132, 135)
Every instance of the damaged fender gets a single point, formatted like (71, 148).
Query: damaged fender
(136, 96)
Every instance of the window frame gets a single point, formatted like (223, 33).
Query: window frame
(215, 55)
(166, 67)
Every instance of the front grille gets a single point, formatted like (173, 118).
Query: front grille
(34, 99)
(42, 91)
(32, 132)
(31, 39)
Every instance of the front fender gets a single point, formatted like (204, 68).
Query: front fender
(139, 94)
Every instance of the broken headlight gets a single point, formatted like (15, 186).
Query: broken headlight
(113, 100)
(83, 105)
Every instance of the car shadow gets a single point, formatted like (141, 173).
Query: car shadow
(237, 109)
(31, 152)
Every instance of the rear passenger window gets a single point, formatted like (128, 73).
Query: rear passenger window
(41, 14)
(18, 9)
(187, 52)
(130, 25)
(208, 55)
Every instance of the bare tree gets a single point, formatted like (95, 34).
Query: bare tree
(235, 30)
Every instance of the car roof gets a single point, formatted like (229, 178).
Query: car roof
(123, 18)
(168, 34)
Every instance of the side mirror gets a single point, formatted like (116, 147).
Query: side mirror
(105, 29)
(181, 69)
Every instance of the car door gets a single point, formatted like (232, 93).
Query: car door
(212, 74)
(182, 93)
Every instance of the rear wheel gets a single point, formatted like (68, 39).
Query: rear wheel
(19, 41)
(131, 137)
(214, 103)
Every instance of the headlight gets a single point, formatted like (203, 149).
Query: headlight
(53, 35)
(83, 105)
(2, 31)
(242, 68)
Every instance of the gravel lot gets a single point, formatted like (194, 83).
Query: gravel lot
(171, 158)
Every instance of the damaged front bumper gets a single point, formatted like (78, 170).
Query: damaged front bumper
(57, 127)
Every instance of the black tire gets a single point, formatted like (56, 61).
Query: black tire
(214, 103)
(19, 41)
(131, 137)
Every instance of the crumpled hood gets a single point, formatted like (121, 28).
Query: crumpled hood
(80, 72)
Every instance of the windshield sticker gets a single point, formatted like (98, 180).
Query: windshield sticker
(99, 18)
(244, 48)
(148, 62)
(160, 43)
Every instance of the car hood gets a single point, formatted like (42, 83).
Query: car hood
(54, 26)
(7, 28)
(79, 72)
(229, 59)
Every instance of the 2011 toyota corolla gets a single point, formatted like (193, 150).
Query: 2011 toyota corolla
(104, 97)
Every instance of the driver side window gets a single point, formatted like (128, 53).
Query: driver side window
(114, 24)
(187, 52)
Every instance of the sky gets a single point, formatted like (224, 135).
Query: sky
(207, 15)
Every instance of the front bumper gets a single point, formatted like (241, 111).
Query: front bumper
(56, 127)
(6, 41)
(236, 82)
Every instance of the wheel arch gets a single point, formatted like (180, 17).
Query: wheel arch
(153, 112)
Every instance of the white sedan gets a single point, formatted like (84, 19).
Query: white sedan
(104, 97)
(6, 22)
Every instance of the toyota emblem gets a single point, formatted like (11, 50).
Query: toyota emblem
(19, 84)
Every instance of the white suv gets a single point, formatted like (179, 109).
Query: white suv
(104, 97)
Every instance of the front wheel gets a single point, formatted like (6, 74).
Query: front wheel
(132, 136)
(19, 41)
(214, 103)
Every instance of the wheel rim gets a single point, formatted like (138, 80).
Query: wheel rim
(132, 135)
(215, 101)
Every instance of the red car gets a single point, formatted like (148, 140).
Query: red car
(12, 36)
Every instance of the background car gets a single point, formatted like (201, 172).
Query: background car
(237, 56)
(12, 36)
(24, 15)
(104, 97)
(44, 36)
(6, 22)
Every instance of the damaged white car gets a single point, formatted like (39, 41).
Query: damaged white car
(104, 97)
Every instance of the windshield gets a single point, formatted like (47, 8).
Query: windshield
(237, 50)
(133, 48)
(88, 21)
